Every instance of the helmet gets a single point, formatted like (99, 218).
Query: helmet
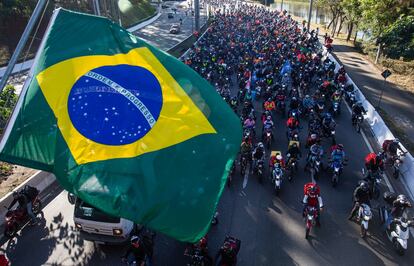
(15, 194)
(313, 136)
(402, 198)
(268, 117)
(307, 96)
(396, 141)
(294, 144)
(279, 157)
(260, 145)
(246, 138)
(364, 186)
(294, 99)
(312, 190)
(340, 146)
(269, 100)
(135, 239)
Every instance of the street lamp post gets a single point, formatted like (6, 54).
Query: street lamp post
(197, 14)
(310, 14)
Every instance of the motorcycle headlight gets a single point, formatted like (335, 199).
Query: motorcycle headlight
(397, 161)
(336, 169)
(333, 132)
(367, 218)
(318, 163)
(310, 217)
(268, 134)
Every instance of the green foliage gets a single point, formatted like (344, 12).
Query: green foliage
(8, 99)
(399, 38)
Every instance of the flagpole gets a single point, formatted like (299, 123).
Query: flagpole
(22, 42)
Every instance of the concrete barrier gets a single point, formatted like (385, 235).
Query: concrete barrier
(381, 132)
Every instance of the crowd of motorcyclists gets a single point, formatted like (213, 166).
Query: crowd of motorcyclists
(278, 67)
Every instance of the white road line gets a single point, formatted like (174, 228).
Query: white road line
(246, 178)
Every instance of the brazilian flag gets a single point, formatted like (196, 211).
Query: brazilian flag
(126, 127)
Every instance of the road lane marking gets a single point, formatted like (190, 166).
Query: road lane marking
(246, 177)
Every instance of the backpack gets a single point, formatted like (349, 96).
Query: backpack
(30, 192)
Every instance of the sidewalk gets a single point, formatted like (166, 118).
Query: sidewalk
(396, 105)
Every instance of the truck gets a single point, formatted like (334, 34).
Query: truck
(98, 226)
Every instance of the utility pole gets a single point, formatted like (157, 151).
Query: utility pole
(310, 14)
(22, 42)
(197, 14)
(281, 6)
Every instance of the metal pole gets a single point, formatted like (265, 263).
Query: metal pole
(197, 14)
(310, 14)
(22, 42)
(97, 8)
(382, 92)
(281, 6)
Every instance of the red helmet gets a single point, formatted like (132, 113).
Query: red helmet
(312, 190)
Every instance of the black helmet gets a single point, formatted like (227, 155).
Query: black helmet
(402, 199)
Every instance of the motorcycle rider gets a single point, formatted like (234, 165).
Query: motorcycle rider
(338, 153)
(137, 252)
(357, 110)
(24, 204)
(398, 207)
(249, 123)
(294, 104)
(392, 146)
(276, 159)
(307, 102)
(312, 198)
(312, 139)
(269, 105)
(336, 96)
(246, 149)
(315, 150)
(374, 162)
(293, 151)
(258, 154)
(328, 124)
(233, 103)
(361, 195)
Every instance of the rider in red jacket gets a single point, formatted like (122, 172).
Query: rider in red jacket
(312, 198)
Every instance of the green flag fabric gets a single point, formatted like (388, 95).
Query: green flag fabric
(128, 128)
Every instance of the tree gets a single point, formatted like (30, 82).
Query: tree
(8, 99)
(353, 11)
(398, 38)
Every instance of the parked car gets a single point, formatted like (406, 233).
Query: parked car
(175, 28)
(170, 15)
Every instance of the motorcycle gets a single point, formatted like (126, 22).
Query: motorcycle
(17, 218)
(292, 166)
(397, 160)
(336, 171)
(311, 215)
(320, 107)
(336, 108)
(374, 180)
(260, 170)
(398, 232)
(243, 165)
(330, 133)
(268, 136)
(315, 165)
(227, 255)
(364, 216)
(358, 121)
(277, 175)
(293, 135)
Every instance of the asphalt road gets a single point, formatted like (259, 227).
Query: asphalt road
(270, 227)
(158, 32)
